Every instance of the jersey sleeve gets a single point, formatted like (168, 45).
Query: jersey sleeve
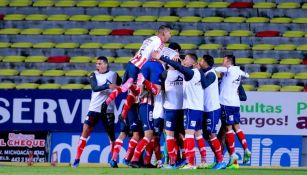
(244, 74)
(221, 69)
(94, 86)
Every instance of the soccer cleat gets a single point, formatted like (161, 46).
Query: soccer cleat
(170, 167)
(181, 163)
(188, 167)
(126, 162)
(203, 165)
(211, 165)
(76, 163)
(232, 159)
(247, 156)
(159, 164)
(219, 165)
(150, 166)
(233, 166)
(113, 164)
(134, 164)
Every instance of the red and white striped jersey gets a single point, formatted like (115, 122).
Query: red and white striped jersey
(144, 53)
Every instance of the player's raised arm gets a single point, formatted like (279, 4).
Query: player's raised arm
(186, 71)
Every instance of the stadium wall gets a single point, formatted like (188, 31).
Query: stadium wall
(50, 121)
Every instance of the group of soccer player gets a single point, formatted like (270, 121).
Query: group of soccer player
(179, 96)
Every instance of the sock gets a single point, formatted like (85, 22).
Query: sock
(148, 153)
(230, 142)
(132, 144)
(118, 144)
(113, 95)
(112, 144)
(156, 148)
(171, 147)
(190, 148)
(202, 148)
(136, 91)
(126, 85)
(139, 149)
(242, 139)
(128, 104)
(183, 151)
(80, 148)
(216, 148)
(152, 88)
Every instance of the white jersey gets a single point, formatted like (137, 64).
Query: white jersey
(229, 85)
(158, 106)
(173, 90)
(211, 94)
(99, 97)
(144, 53)
(193, 93)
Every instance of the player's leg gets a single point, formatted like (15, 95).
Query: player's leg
(211, 121)
(130, 76)
(202, 149)
(158, 130)
(147, 123)
(135, 128)
(89, 123)
(191, 119)
(179, 137)
(230, 137)
(170, 126)
(118, 143)
(241, 136)
(108, 122)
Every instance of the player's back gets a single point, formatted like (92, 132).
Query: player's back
(144, 53)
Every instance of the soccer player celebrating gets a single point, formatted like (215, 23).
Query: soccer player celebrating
(193, 105)
(154, 43)
(212, 108)
(129, 125)
(230, 104)
(151, 73)
(102, 82)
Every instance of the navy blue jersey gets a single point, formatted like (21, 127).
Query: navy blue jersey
(152, 71)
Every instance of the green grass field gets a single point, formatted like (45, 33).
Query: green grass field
(66, 170)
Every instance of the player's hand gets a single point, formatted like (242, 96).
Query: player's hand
(156, 55)
(113, 86)
(176, 58)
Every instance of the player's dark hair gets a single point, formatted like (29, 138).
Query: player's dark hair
(193, 56)
(209, 60)
(104, 59)
(164, 27)
(175, 46)
(232, 59)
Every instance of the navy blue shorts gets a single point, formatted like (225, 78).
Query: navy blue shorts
(107, 120)
(193, 119)
(211, 119)
(132, 122)
(230, 115)
(131, 71)
(146, 117)
(173, 120)
(158, 126)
